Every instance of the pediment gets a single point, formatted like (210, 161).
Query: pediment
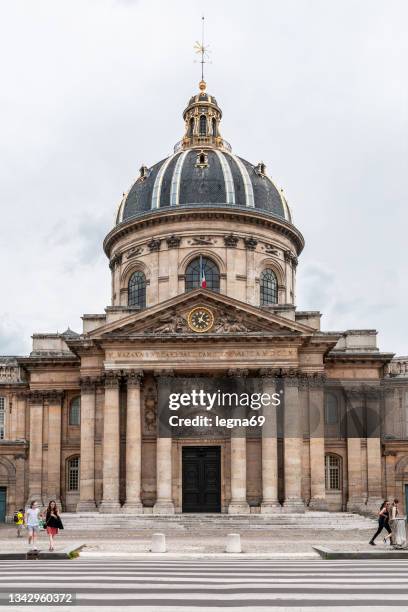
(231, 317)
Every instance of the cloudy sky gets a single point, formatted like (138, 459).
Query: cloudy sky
(90, 89)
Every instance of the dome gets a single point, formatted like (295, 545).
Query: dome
(202, 172)
(203, 177)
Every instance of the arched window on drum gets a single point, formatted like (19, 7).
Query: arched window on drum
(202, 272)
(203, 125)
(268, 288)
(137, 290)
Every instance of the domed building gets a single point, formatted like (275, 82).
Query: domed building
(203, 257)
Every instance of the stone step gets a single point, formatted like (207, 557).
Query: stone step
(205, 522)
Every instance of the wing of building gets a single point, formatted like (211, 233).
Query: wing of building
(203, 257)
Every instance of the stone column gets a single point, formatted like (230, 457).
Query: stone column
(250, 244)
(164, 500)
(21, 412)
(133, 445)
(111, 450)
(316, 432)
(374, 468)
(87, 462)
(54, 446)
(355, 431)
(35, 452)
(293, 443)
(173, 244)
(270, 503)
(238, 503)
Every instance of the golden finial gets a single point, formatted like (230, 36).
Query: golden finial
(202, 86)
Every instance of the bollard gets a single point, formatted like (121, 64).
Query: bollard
(158, 543)
(233, 543)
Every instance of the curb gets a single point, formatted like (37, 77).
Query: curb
(329, 554)
(66, 553)
(174, 556)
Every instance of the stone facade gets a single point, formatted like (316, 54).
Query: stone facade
(80, 412)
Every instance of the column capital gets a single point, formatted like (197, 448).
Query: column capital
(269, 373)
(35, 397)
(292, 380)
(317, 380)
(134, 378)
(112, 378)
(87, 384)
(54, 396)
(238, 373)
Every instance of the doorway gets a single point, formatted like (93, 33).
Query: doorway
(201, 479)
(3, 491)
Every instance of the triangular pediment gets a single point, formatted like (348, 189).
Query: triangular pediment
(231, 317)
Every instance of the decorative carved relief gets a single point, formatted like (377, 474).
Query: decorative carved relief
(150, 411)
(230, 323)
(202, 241)
(172, 323)
(134, 252)
(271, 250)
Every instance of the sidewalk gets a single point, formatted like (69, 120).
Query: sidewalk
(273, 543)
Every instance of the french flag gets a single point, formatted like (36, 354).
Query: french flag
(203, 282)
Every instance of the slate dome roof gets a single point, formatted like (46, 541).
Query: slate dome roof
(224, 180)
(203, 172)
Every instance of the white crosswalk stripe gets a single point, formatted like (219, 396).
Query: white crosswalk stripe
(210, 584)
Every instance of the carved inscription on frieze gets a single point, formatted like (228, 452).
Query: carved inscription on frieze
(244, 354)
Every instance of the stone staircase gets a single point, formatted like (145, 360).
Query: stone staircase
(187, 523)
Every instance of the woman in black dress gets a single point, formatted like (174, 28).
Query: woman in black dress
(52, 522)
(383, 521)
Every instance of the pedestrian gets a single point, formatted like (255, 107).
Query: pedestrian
(383, 521)
(394, 512)
(19, 522)
(32, 520)
(52, 522)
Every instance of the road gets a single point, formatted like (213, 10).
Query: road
(210, 584)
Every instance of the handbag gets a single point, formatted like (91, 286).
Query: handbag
(42, 524)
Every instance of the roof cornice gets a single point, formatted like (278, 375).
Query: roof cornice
(185, 213)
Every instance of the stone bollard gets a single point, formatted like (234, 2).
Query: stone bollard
(233, 543)
(158, 543)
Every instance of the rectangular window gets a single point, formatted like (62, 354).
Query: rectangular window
(2, 417)
(73, 474)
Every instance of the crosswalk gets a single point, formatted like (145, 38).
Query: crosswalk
(208, 584)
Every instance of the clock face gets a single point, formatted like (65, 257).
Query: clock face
(200, 319)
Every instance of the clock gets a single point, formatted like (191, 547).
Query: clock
(200, 319)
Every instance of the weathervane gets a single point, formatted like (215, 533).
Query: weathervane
(203, 50)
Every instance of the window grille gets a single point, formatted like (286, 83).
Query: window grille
(73, 474)
(75, 411)
(268, 287)
(137, 290)
(332, 473)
